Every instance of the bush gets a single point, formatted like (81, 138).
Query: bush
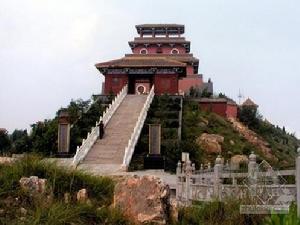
(280, 219)
(50, 209)
(59, 180)
(216, 213)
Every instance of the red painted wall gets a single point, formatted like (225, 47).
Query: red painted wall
(152, 49)
(189, 70)
(221, 108)
(231, 111)
(186, 83)
(115, 83)
(166, 83)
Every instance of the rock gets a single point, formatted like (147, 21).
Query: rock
(67, 198)
(237, 160)
(82, 196)
(174, 210)
(33, 184)
(211, 143)
(23, 211)
(7, 160)
(143, 199)
(254, 139)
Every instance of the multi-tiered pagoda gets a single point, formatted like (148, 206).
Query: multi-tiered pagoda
(160, 57)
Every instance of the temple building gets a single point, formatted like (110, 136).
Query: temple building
(160, 57)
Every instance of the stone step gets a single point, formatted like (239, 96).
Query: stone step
(110, 150)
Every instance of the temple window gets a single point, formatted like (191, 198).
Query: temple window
(143, 51)
(174, 51)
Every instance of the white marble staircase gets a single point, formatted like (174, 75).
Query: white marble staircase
(113, 153)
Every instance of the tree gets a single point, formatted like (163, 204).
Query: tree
(20, 141)
(249, 116)
(5, 143)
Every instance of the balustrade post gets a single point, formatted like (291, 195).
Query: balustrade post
(179, 181)
(188, 173)
(298, 181)
(217, 177)
(252, 169)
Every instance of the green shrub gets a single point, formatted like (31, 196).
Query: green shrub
(216, 213)
(281, 219)
(59, 179)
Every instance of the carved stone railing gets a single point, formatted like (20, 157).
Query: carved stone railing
(92, 136)
(137, 130)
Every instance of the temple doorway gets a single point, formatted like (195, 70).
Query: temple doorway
(140, 84)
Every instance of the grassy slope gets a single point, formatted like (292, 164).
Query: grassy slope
(283, 144)
(196, 122)
(41, 210)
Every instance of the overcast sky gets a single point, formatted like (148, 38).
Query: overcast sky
(48, 49)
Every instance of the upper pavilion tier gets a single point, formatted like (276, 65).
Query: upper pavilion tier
(160, 29)
(160, 35)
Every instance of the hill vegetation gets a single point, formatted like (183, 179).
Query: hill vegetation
(18, 206)
(196, 122)
(43, 136)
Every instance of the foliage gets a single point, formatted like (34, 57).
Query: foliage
(284, 219)
(85, 122)
(164, 110)
(50, 209)
(5, 142)
(197, 92)
(216, 213)
(283, 144)
(20, 141)
(197, 122)
(59, 179)
(43, 136)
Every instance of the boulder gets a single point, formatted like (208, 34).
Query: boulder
(237, 160)
(33, 184)
(211, 143)
(82, 196)
(7, 160)
(143, 199)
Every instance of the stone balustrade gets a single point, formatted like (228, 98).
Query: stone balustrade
(220, 182)
(137, 130)
(92, 136)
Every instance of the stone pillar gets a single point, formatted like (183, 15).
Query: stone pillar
(217, 177)
(298, 181)
(252, 169)
(154, 139)
(188, 173)
(63, 133)
(179, 181)
(154, 160)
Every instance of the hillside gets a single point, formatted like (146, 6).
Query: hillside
(196, 122)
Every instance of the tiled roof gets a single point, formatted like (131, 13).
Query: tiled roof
(141, 61)
(215, 100)
(158, 25)
(249, 102)
(167, 40)
(185, 58)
